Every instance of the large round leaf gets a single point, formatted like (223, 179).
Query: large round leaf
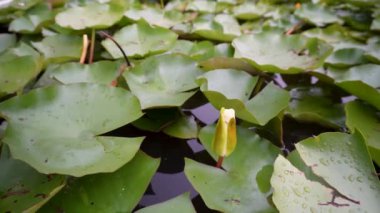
(365, 120)
(23, 189)
(140, 39)
(55, 129)
(272, 51)
(233, 190)
(317, 14)
(348, 154)
(164, 80)
(259, 110)
(119, 191)
(92, 15)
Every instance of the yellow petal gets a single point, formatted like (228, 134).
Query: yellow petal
(224, 141)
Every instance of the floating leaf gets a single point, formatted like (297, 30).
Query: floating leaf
(221, 27)
(233, 190)
(180, 203)
(364, 119)
(6, 41)
(163, 81)
(92, 15)
(79, 113)
(293, 54)
(332, 34)
(119, 191)
(101, 72)
(317, 14)
(249, 11)
(33, 20)
(376, 23)
(259, 109)
(153, 16)
(312, 104)
(203, 6)
(17, 5)
(23, 189)
(18, 67)
(348, 154)
(184, 127)
(155, 120)
(60, 48)
(140, 39)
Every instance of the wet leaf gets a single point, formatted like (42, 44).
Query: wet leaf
(163, 81)
(119, 191)
(293, 54)
(23, 189)
(184, 127)
(180, 203)
(233, 190)
(60, 48)
(79, 113)
(153, 16)
(203, 6)
(364, 119)
(139, 40)
(348, 154)
(92, 15)
(155, 120)
(317, 14)
(259, 109)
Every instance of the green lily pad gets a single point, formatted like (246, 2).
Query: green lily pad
(376, 24)
(184, 127)
(101, 72)
(346, 57)
(202, 6)
(233, 190)
(312, 104)
(222, 27)
(7, 41)
(202, 50)
(249, 11)
(60, 48)
(180, 203)
(79, 113)
(259, 110)
(33, 20)
(293, 54)
(317, 14)
(153, 16)
(23, 189)
(365, 120)
(332, 34)
(139, 40)
(361, 81)
(18, 67)
(155, 120)
(93, 15)
(17, 5)
(373, 52)
(348, 154)
(119, 191)
(164, 80)
(293, 192)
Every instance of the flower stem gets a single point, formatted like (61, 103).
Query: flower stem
(92, 47)
(84, 49)
(220, 162)
(104, 34)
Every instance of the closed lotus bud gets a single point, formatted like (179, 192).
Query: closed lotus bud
(224, 141)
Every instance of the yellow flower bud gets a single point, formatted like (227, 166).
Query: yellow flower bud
(224, 141)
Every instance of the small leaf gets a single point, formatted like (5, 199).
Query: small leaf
(184, 127)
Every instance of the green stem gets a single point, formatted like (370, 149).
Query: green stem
(92, 47)
(162, 4)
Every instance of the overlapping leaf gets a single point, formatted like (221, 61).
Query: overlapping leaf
(180, 203)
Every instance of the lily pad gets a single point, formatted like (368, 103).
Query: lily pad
(312, 104)
(317, 14)
(293, 54)
(164, 80)
(60, 48)
(348, 154)
(139, 40)
(33, 20)
(364, 119)
(184, 127)
(155, 120)
(361, 81)
(19, 66)
(376, 24)
(6, 41)
(153, 16)
(119, 191)
(249, 11)
(180, 203)
(101, 72)
(17, 5)
(233, 190)
(23, 189)
(259, 110)
(79, 113)
(222, 27)
(202, 6)
(93, 15)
